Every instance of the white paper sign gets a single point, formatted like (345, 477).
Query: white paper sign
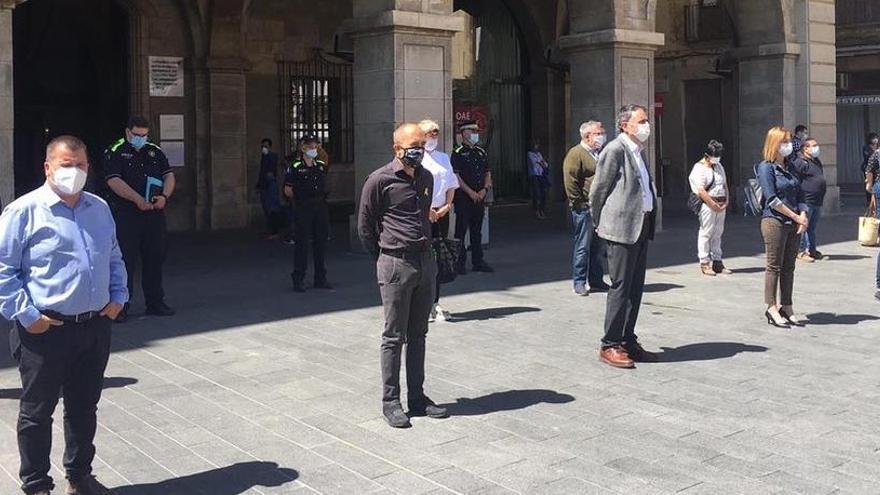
(171, 126)
(174, 151)
(166, 76)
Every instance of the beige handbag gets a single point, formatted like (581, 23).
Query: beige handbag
(869, 229)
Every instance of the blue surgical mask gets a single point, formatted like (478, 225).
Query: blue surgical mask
(475, 138)
(138, 141)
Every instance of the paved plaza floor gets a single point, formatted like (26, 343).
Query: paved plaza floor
(254, 389)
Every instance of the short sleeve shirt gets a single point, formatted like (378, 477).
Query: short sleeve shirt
(701, 176)
(135, 167)
(471, 163)
(440, 167)
(308, 183)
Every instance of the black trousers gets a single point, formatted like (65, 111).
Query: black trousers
(143, 239)
(71, 358)
(311, 223)
(439, 230)
(539, 192)
(406, 284)
(627, 264)
(469, 220)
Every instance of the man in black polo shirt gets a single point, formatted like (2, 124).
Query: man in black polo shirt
(138, 173)
(471, 164)
(394, 226)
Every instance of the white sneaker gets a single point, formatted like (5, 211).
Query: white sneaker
(441, 314)
(432, 317)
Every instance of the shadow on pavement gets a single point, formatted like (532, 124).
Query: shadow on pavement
(654, 288)
(706, 351)
(752, 269)
(491, 313)
(837, 319)
(109, 382)
(844, 257)
(231, 480)
(510, 400)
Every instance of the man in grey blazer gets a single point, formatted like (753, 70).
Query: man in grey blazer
(624, 205)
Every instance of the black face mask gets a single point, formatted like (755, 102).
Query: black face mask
(413, 156)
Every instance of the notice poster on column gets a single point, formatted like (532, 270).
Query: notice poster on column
(166, 76)
(171, 127)
(174, 151)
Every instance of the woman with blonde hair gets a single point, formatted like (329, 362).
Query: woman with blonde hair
(445, 184)
(783, 221)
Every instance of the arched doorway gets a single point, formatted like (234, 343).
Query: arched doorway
(498, 83)
(71, 76)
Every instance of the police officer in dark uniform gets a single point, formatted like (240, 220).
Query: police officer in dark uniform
(141, 182)
(471, 165)
(305, 186)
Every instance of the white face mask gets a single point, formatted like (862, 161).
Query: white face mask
(69, 180)
(312, 153)
(785, 149)
(475, 138)
(715, 160)
(600, 140)
(431, 144)
(644, 132)
(265, 150)
(815, 151)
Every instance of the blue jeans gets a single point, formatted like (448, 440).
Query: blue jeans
(808, 240)
(587, 249)
(877, 198)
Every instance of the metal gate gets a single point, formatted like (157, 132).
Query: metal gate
(317, 98)
(501, 84)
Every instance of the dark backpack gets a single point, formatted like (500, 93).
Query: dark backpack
(753, 201)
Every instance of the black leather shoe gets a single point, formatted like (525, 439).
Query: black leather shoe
(600, 287)
(427, 407)
(160, 309)
(322, 284)
(122, 317)
(87, 486)
(395, 416)
(483, 267)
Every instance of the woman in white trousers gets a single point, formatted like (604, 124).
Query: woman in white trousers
(709, 182)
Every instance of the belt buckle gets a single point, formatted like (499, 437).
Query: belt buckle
(82, 317)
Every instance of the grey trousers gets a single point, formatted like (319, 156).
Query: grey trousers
(627, 264)
(406, 284)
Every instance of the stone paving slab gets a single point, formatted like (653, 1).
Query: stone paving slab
(252, 389)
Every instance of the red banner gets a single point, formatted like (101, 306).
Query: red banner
(467, 112)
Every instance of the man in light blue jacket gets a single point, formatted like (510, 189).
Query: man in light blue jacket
(624, 205)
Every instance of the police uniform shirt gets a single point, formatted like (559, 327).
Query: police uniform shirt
(134, 166)
(308, 183)
(471, 163)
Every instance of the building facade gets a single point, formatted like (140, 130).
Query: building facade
(217, 76)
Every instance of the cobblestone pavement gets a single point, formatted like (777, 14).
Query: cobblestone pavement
(253, 389)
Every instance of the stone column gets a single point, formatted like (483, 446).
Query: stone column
(7, 115)
(402, 73)
(611, 68)
(228, 171)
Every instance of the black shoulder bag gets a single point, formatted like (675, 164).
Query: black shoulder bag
(695, 203)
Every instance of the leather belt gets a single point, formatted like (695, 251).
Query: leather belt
(80, 318)
(407, 251)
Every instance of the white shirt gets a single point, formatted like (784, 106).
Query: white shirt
(644, 177)
(701, 177)
(440, 167)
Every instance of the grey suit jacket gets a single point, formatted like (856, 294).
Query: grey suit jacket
(616, 195)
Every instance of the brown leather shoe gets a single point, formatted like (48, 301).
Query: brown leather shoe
(616, 356)
(706, 269)
(638, 354)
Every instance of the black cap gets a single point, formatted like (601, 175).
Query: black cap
(310, 138)
(469, 124)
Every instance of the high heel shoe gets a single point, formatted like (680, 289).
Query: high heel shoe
(772, 321)
(790, 319)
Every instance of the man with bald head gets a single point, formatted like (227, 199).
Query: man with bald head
(394, 226)
(63, 282)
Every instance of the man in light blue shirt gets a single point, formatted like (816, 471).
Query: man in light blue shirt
(62, 281)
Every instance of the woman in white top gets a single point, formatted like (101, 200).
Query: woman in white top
(709, 182)
(445, 184)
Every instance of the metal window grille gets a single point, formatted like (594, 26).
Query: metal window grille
(317, 98)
